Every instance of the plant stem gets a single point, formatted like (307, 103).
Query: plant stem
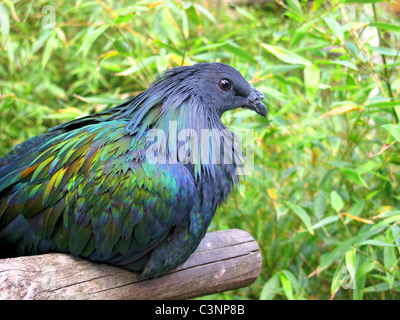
(385, 70)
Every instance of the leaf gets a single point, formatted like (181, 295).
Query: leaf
(155, 4)
(123, 48)
(319, 204)
(341, 110)
(375, 243)
(336, 201)
(384, 286)
(345, 63)
(124, 18)
(394, 130)
(272, 194)
(325, 221)
(138, 66)
(385, 26)
(204, 11)
(193, 16)
(363, 1)
(383, 50)
(302, 214)
(358, 218)
(90, 38)
(389, 257)
(285, 55)
(286, 285)
(272, 93)
(335, 27)
(169, 47)
(45, 34)
(354, 176)
(337, 279)
(270, 288)
(350, 263)
(48, 50)
(311, 80)
(295, 7)
(383, 104)
(4, 24)
(239, 52)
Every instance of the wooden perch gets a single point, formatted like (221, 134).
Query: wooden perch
(224, 260)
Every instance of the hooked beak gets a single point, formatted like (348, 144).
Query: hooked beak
(255, 104)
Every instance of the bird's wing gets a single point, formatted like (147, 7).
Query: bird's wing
(91, 192)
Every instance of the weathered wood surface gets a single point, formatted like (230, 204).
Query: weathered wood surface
(224, 260)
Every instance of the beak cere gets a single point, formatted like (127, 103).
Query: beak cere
(255, 103)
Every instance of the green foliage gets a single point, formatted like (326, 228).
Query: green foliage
(322, 201)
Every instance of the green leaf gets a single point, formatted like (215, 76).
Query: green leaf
(123, 48)
(311, 80)
(90, 38)
(204, 11)
(384, 286)
(302, 214)
(384, 51)
(394, 130)
(44, 35)
(169, 47)
(285, 55)
(353, 176)
(383, 104)
(286, 285)
(319, 204)
(193, 16)
(335, 27)
(295, 7)
(385, 26)
(124, 18)
(363, 1)
(338, 275)
(324, 222)
(239, 52)
(345, 63)
(138, 66)
(389, 256)
(271, 288)
(350, 263)
(4, 24)
(336, 201)
(375, 243)
(48, 50)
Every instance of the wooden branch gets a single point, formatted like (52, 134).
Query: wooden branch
(224, 260)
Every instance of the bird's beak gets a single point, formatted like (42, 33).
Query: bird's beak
(255, 104)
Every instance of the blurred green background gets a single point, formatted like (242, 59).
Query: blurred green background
(323, 200)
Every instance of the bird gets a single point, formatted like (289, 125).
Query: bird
(136, 185)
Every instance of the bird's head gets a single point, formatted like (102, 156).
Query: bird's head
(215, 86)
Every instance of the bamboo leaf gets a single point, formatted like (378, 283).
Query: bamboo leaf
(341, 110)
(90, 38)
(285, 55)
(311, 80)
(394, 130)
(385, 26)
(302, 214)
(286, 285)
(335, 28)
(271, 288)
(4, 24)
(336, 201)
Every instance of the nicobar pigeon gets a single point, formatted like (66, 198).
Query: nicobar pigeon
(134, 186)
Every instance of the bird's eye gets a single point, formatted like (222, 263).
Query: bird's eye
(224, 85)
